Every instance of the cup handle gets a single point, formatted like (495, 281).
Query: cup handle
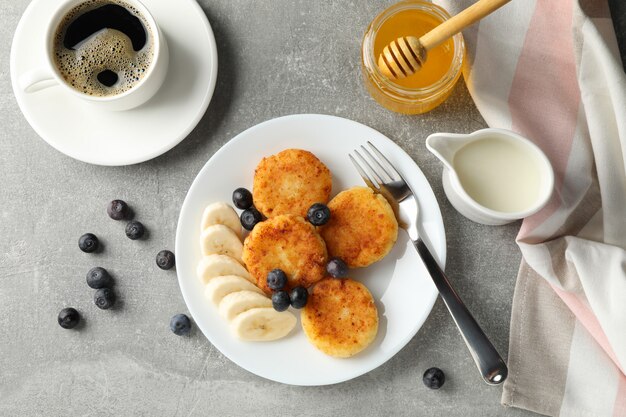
(36, 80)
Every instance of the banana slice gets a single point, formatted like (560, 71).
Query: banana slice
(212, 266)
(221, 240)
(237, 302)
(262, 324)
(220, 287)
(221, 213)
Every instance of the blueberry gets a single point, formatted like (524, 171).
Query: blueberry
(88, 243)
(165, 259)
(118, 210)
(298, 297)
(180, 325)
(99, 277)
(134, 230)
(434, 378)
(104, 298)
(318, 214)
(280, 300)
(250, 217)
(276, 279)
(242, 198)
(68, 318)
(337, 268)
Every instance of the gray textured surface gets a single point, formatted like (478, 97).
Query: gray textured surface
(276, 58)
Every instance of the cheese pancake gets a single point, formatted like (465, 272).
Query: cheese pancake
(290, 182)
(340, 317)
(289, 243)
(362, 227)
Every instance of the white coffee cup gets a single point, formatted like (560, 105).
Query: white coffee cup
(48, 75)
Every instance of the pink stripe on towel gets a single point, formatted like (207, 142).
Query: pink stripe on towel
(589, 321)
(544, 100)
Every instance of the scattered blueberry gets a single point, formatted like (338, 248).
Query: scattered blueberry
(434, 378)
(165, 259)
(88, 242)
(318, 214)
(68, 318)
(242, 198)
(99, 277)
(276, 279)
(337, 268)
(298, 297)
(180, 325)
(280, 300)
(118, 210)
(104, 298)
(250, 217)
(134, 230)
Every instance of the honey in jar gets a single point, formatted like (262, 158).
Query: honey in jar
(433, 83)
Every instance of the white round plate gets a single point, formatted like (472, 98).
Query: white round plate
(403, 291)
(122, 138)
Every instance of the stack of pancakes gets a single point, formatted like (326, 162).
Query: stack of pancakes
(340, 317)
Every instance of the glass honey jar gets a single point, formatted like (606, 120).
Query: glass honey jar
(433, 83)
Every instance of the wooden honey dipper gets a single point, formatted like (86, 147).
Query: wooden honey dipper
(406, 55)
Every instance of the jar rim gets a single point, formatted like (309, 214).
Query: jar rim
(369, 60)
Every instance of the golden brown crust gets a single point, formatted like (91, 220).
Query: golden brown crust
(362, 227)
(290, 182)
(340, 317)
(289, 243)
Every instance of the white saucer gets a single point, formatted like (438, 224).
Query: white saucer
(402, 289)
(122, 138)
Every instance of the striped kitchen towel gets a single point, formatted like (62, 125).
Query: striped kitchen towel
(551, 70)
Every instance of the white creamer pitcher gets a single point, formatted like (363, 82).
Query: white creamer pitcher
(493, 176)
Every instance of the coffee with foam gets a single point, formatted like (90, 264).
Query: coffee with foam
(103, 47)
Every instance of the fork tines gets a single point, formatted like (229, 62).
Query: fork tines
(374, 167)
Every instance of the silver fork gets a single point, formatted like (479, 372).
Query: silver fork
(380, 175)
